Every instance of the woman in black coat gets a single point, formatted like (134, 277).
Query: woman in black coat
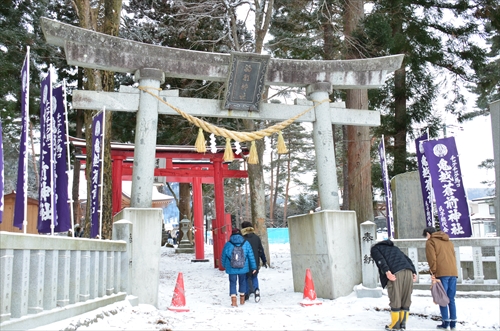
(248, 233)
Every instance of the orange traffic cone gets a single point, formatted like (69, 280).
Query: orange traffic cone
(179, 300)
(310, 298)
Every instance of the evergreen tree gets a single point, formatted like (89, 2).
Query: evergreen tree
(435, 37)
(303, 204)
(488, 86)
(284, 170)
(20, 28)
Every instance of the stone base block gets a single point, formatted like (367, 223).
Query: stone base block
(365, 292)
(327, 243)
(145, 241)
(134, 301)
(4, 317)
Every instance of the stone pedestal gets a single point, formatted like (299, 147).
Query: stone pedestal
(326, 242)
(369, 269)
(145, 249)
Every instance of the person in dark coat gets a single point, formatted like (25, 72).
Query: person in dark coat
(238, 274)
(78, 231)
(248, 233)
(398, 273)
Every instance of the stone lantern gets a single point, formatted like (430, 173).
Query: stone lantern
(184, 245)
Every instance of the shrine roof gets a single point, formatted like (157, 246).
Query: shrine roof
(175, 150)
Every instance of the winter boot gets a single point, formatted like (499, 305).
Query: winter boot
(242, 299)
(443, 326)
(233, 301)
(403, 317)
(395, 325)
(453, 324)
(257, 295)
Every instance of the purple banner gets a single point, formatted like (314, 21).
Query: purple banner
(1, 174)
(387, 189)
(425, 179)
(46, 214)
(21, 203)
(449, 192)
(63, 214)
(95, 178)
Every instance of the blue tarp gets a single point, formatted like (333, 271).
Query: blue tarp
(278, 235)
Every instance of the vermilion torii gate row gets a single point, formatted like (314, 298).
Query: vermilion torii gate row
(183, 165)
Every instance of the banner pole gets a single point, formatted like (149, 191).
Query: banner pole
(25, 133)
(432, 192)
(70, 190)
(52, 160)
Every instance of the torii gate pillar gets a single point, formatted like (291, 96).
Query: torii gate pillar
(198, 220)
(145, 138)
(117, 183)
(323, 146)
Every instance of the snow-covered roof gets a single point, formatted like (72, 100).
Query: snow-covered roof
(157, 196)
(126, 190)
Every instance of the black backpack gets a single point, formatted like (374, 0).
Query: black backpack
(238, 257)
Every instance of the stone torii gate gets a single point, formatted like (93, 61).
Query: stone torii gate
(150, 64)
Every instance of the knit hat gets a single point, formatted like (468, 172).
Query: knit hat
(246, 224)
(235, 231)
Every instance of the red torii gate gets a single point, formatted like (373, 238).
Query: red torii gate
(183, 165)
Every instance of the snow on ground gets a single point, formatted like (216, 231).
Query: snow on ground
(207, 297)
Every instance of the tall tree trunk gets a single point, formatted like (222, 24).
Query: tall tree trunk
(255, 171)
(276, 187)
(271, 188)
(359, 162)
(345, 172)
(76, 163)
(108, 23)
(400, 116)
(287, 187)
(400, 121)
(358, 137)
(185, 200)
(257, 193)
(111, 26)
